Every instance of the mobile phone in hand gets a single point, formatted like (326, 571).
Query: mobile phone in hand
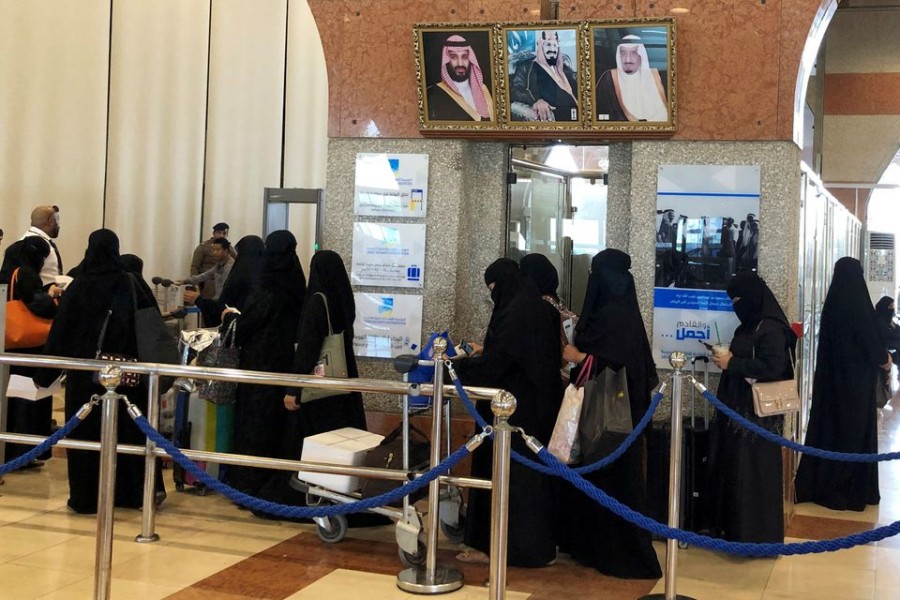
(708, 346)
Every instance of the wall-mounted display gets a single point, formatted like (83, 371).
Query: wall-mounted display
(391, 185)
(388, 254)
(455, 71)
(542, 69)
(387, 325)
(633, 76)
(707, 231)
(534, 80)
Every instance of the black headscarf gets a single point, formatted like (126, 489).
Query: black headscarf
(883, 310)
(756, 301)
(539, 268)
(245, 273)
(848, 296)
(611, 327)
(281, 268)
(28, 253)
(102, 254)
(328, 275)
(131, 263)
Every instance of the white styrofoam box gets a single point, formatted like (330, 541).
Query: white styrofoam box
(347, 446)
(23, 387)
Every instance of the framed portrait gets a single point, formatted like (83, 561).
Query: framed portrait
(455, 69)
(542, 76)
(632, 84)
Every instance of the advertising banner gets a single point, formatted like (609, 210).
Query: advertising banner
(387, 324)
(707, 231)
(391, 185)
(388, 254)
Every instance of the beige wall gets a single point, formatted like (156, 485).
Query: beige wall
(157, 118)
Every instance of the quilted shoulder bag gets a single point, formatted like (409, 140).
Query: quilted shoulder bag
(24, 329)
(775, 398)
(222, 354)
(128, 379)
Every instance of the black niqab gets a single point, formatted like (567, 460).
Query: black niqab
(755, 302)
(102, 254)
(328, 275)
(245, 273)
(281, 267)
(884, 310)
(28, 253)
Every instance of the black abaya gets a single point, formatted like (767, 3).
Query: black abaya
(844, 414)
(612, 331)
(521, 355)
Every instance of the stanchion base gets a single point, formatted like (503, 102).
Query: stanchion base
(414, 580)
(662, 596)
(140, 539)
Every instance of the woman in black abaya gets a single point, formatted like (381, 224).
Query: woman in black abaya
(265, 332)
(612, 331)
(843, 415)
(521, 355)
(28, 416)
(745, 470)
(102, 285)
(241, 283)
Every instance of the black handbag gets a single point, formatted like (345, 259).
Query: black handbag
(155, 343)
(128, 379)
(221, 354)
(605, 414)
(389, 455)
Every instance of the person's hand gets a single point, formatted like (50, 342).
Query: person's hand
(543, 110)
(890, 362)
(477, 349)
(572, 354)
(178, 282)
(230, 309)
(722, 359)
(190, 296)
(54, 291)
(290, 402)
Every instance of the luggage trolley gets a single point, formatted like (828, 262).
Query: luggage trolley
(410, 533)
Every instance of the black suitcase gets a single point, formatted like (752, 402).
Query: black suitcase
(695, 506)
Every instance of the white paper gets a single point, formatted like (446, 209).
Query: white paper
(24, 387)
(391, 185)
(387, 325)
(388, 254)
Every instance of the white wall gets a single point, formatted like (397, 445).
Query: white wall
(157, 118)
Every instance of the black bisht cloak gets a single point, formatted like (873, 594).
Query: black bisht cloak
(612, 330)
(745, 471)
(521, 355)
(102, 284)
(844, 415)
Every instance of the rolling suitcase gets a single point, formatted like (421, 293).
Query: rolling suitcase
(200, 425)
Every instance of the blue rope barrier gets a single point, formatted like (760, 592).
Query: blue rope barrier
(600, 464)
(703, 541)
(780, 440)
(21, 461)
(296, 512)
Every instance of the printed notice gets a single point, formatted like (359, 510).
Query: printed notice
(394, 185)
(388, 254)
(387, 325)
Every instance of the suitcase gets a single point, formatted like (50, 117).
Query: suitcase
(200, 425)
(695, 488)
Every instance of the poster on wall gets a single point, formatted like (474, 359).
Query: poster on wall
(388, 254)
(707, 231)
(391, 185)
(387, 325)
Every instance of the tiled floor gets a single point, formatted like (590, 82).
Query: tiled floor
(211, 550)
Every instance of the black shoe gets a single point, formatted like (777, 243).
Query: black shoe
(35, 464)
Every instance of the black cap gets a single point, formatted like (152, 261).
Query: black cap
(221, 227)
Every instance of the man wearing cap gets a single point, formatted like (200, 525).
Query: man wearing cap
(632, 91)
(45, 225)
(461, 94)
(205, 259)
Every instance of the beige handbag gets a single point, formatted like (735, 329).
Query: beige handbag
(775, 398)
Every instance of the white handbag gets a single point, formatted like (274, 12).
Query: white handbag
(775, 398)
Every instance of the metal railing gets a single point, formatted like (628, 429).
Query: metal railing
(427, 580)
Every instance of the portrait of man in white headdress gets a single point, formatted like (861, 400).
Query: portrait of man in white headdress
(458, 76)
(634, 90)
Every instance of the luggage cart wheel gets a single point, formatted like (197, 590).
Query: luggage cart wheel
(179, 486)
(413, 560)
(202, 490)
(335, 531)
(455, 533)
(682, 545)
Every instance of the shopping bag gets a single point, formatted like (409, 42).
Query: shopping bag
(221, 354)
(24, 329)
(564, 439)
(332, 361)
(605, 414)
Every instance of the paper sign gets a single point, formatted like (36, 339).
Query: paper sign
(391, 185)
(388, 254)
(387, 325)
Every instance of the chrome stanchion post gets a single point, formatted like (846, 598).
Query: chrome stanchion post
(433, 579)
(503, 405)
(677, 360)
(148, 518)
(109, 377)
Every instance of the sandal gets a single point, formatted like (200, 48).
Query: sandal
(473, 556)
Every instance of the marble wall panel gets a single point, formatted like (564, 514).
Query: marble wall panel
(330, 18)
(862, 94)
(504, 10)
(600, 9)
